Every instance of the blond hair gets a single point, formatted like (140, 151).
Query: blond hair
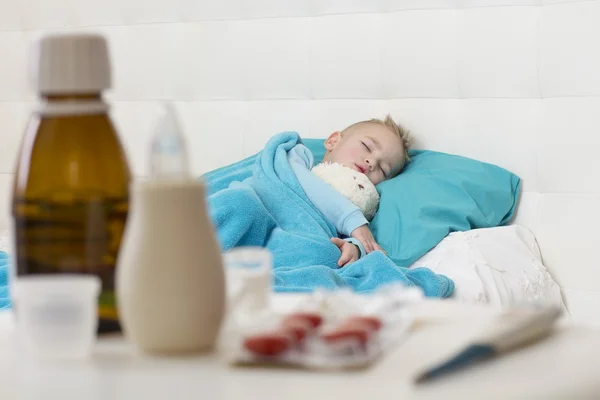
(404, 134)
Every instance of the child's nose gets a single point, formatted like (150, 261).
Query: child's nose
(370, 163)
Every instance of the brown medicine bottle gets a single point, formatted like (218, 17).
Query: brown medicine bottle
(70, 196)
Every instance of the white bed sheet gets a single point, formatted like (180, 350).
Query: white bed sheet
(500, 266)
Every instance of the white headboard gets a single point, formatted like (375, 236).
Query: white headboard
(513, 82)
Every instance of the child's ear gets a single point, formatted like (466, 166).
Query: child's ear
(333, 140)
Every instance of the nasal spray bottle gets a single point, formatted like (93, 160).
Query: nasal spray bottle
(170, 278)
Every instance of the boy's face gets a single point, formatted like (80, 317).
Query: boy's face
(370, 148)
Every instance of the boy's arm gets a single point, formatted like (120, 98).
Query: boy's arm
(344, 214)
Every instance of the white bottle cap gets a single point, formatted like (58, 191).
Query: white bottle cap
(71, 64)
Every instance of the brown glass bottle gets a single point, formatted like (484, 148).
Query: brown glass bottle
(71, 195)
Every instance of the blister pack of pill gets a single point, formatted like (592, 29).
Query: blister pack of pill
(328, 330)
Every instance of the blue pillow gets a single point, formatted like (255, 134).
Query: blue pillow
(436, 194)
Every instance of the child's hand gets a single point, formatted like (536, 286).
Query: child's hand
(363, 233)
(349, 251)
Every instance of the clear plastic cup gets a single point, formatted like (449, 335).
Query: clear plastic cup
(248, 273)
(56, 314)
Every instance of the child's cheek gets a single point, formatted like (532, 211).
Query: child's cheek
(354, 152)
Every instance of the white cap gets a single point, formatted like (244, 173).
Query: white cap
(71, 63)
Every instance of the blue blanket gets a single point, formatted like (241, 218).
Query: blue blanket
(4, 297)
(259, 202)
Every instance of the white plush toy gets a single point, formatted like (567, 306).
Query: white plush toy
(352, 184)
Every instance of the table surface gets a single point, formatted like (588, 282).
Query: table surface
(565, 365)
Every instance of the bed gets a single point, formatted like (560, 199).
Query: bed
(509, 82)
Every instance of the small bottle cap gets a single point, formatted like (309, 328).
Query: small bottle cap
(71, 64)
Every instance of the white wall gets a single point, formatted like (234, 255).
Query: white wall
(514, 82)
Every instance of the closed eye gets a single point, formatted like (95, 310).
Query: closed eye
(383, 172)
(366, 147)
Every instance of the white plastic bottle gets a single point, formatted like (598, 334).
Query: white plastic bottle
(170, 278)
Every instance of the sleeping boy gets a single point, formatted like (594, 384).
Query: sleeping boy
(376, 148)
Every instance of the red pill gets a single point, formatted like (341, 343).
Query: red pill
(315, 319)
(298, 327)
(268, 344)
(360, 334)
(372, 323)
